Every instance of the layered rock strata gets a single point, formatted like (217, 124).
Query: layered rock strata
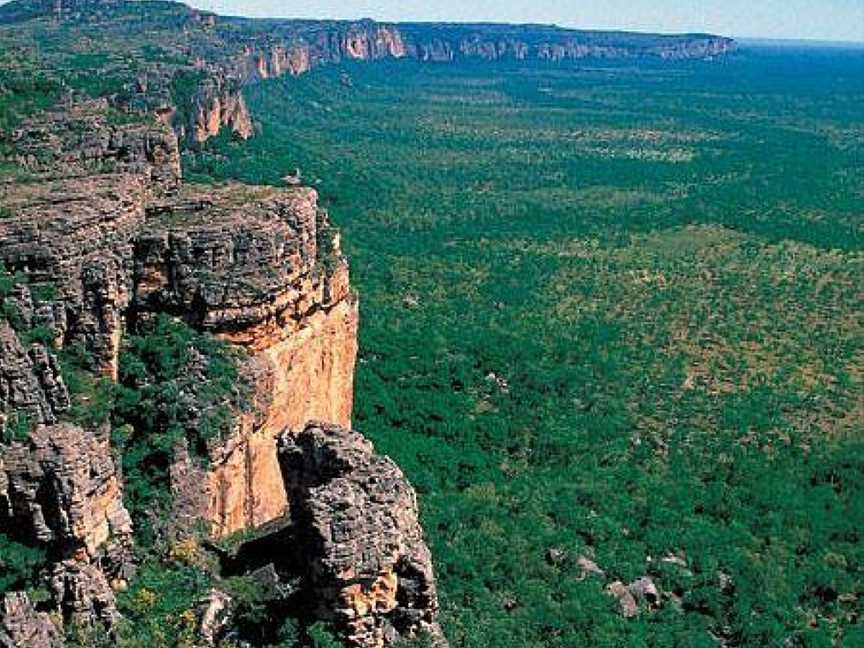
(259, 267)
(218, 104)
(62, 489)
(84, 137)
(31, 386)
(107, 226)
(357, 522)
(262, 269)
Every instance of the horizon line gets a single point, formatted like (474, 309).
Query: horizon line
(607, 30)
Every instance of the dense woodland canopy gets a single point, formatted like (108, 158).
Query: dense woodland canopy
(610, 311)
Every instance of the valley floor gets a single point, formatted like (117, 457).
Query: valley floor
(611, 313)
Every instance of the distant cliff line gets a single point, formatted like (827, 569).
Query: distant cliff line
(432, 41)
(449, 42)
(199, 92)
(263, 49)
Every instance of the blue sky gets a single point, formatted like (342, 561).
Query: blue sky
(841, 20)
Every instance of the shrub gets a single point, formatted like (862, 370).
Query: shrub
(322, 637)
(40, 335)
(18, 428)
(18, 564)
(43, 292)
(93, 396)
(176, 385)
(158, 604)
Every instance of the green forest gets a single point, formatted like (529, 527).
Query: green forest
(608, 312)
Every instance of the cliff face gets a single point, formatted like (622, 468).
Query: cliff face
(106, 222)
(244, 264)
(216, 106)
(307, 44)
(295, 47)
(240, 262)
(30, 382)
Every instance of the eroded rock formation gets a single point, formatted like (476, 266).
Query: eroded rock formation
(106, 224)
(31, 386)
(357, 523)
(85, 137)
(62, 489)
(218, 104)
(22, 625)
(261, 268)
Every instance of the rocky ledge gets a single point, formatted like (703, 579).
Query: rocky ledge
(105, 237)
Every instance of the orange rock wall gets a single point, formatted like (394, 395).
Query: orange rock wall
(310, 377)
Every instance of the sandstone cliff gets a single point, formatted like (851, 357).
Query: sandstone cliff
(105, 221)
(296, 47)
(244, 264)
(240, 262)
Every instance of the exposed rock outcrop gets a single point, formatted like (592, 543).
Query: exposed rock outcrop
(217, 105)
(61, 489)
(31, 386)
(75, 234)
(72, 225)
(257, 266)
(357, 522)
(213, 615)
(22, 626)
(260, 268)
(86, 137)
(82, 595)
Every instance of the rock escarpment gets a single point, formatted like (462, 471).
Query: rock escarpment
(257, 266)
(296, 47)
(106, 238)
(196, 85)
(71, 226)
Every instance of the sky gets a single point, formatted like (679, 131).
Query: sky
(830, 20)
